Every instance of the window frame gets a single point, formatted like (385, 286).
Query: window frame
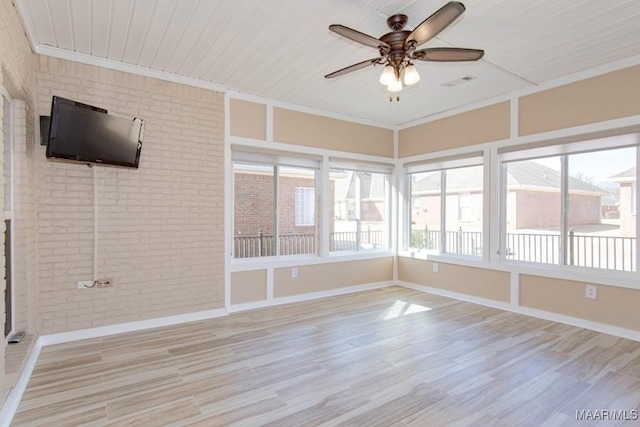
(340, 164)
(276, 161)
(563, 151)
(442, 164)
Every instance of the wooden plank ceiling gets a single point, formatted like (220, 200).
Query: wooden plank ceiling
(282, 49)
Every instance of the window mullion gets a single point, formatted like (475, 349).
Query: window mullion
(443, 211)
(637, 210)
(276, 230)
(563, 242)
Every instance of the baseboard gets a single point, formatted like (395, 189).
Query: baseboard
(533, 312)
(103, 331)
(10, 405)
(307, 297)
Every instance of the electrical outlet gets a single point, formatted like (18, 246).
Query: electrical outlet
(436, 267)
(85, 284)
(104, 283)
(591, 291)
(294, 272)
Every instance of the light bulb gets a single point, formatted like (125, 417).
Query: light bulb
(411, 75)
(387, 76)
(395, 86)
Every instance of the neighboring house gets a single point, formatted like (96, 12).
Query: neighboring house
(628, 190)
(528, 184)
(254, 206)
(372, 188)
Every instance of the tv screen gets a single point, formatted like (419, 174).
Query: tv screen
(84, 133)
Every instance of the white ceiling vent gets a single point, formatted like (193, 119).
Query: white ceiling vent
(459, 81)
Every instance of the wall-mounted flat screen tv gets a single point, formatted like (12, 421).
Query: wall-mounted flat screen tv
(83, 133)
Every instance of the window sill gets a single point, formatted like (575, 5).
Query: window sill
(259, 263)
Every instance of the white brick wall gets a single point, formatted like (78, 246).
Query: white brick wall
(17, 63)
(160, 227)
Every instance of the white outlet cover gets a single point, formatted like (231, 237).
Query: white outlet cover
(591, 291)
(436, 267)
(294, 272)
(85, 284)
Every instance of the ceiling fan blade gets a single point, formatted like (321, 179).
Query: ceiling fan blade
(357, 36)
(431, 27)
(448, 54)
(353, 67)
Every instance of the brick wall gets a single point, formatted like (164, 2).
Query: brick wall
(160, 227)
(253, 204)
(16, 62)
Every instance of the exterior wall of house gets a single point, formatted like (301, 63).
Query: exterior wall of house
(16, 76)
(160, 228)
(253, 204)
(627, 213)
(426, 212)
(538, 209)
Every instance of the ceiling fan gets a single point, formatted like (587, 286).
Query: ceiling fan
(397, 49)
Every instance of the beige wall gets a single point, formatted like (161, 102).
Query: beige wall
(16, 75)
(247, 119)
(609, 96)
(484, 124)
(325, 277)
(293, 127)
(160, 227)
(479, 282)
(248, 286)
(613, 306)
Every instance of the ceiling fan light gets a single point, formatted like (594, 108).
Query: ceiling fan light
(388, 76)
(395, 86)
(411, 75)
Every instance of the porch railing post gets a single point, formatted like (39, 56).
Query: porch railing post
(260, 236)
(571, 247)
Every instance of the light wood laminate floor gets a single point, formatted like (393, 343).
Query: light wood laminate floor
(388, 357)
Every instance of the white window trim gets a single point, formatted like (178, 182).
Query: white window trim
(442, 164)
(563, 151)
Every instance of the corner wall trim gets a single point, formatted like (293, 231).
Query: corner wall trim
(104, 331)
(10, 406)
(533, 312)
(310, 296)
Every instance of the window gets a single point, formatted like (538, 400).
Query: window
(449, 215)
(574, 208)
(305, 206)
(274, 205)
(464, 207)
(533, 210)
(360, 208)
